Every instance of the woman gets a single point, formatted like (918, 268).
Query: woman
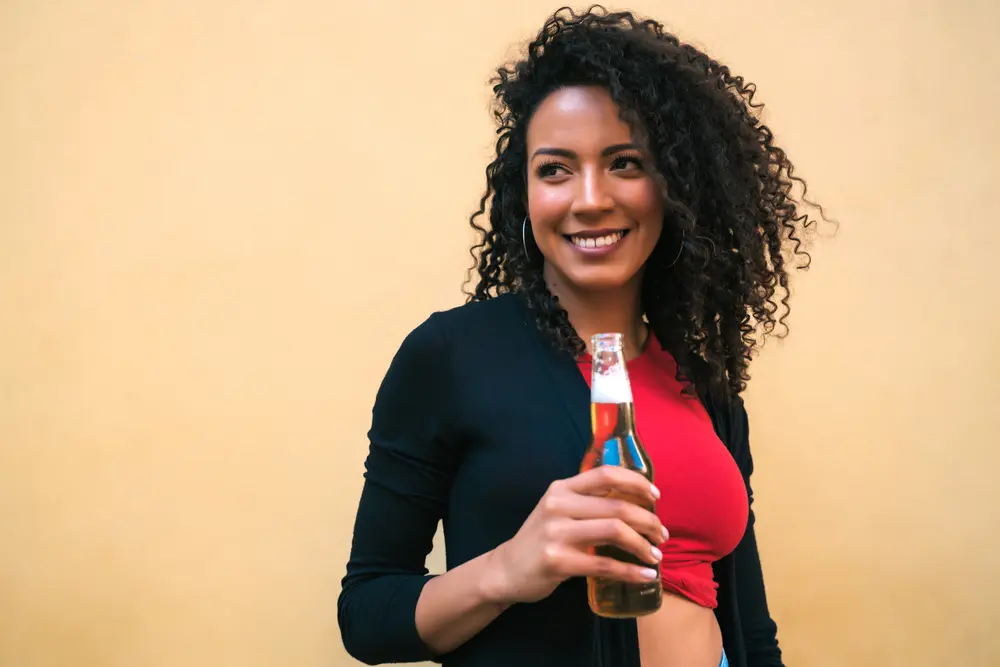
(633, 191)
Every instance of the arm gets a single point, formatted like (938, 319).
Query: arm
(389, 609)
(759, 630)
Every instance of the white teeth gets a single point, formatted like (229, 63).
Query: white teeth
(599, 242)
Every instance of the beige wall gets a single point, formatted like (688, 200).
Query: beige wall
(219, 220)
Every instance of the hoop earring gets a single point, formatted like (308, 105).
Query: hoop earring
(680, 249)
(524, 237)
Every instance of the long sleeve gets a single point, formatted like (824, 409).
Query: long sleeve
(759, 630)
(408, 475)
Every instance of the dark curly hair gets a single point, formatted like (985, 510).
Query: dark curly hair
(728, 208)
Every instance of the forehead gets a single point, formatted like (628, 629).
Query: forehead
(577, 117)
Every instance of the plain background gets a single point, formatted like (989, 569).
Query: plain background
(219, 219)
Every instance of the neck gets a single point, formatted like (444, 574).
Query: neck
(592, 312)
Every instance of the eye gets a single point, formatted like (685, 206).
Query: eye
(549, 169)
(626, 162)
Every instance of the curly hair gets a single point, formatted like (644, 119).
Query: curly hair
(713, 284)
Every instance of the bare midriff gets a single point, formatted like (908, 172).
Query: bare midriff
(680, 634)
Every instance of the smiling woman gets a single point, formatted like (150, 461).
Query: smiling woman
(633, 191)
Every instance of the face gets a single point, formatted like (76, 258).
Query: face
(594, 206)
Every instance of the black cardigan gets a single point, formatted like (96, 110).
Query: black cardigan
(474, 419)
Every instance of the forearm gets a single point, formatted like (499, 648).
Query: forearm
(457, 605)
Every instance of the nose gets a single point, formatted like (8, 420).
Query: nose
(592, 196)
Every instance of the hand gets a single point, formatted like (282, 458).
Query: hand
(555, 542)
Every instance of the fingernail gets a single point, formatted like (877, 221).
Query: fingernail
(655, 491)
(657, 554)
(649, 574)
(665, 534)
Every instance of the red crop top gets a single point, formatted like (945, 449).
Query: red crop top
(704, 502)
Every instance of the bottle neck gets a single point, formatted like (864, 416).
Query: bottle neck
(612, 413)
(609, 381)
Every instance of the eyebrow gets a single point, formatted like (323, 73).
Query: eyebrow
(563, 152)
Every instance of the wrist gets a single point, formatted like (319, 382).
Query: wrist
(494, 589)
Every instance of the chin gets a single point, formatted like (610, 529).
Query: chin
(601, 279)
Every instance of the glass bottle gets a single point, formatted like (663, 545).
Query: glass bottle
(616, 442)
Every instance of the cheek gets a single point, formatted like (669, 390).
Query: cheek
(548, 206)
(645, 205)
(642, 203)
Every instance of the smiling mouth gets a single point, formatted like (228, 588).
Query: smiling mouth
(589, 241)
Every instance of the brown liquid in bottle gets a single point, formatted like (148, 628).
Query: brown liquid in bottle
(616, 442)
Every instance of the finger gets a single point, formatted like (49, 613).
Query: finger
(583, 564)
(614, 532)
(582, 507)
(608, 479)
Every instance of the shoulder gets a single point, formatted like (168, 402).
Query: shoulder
(464, 332)
(505, 309)
(466, 320)
(477, 326)
(453, 354)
